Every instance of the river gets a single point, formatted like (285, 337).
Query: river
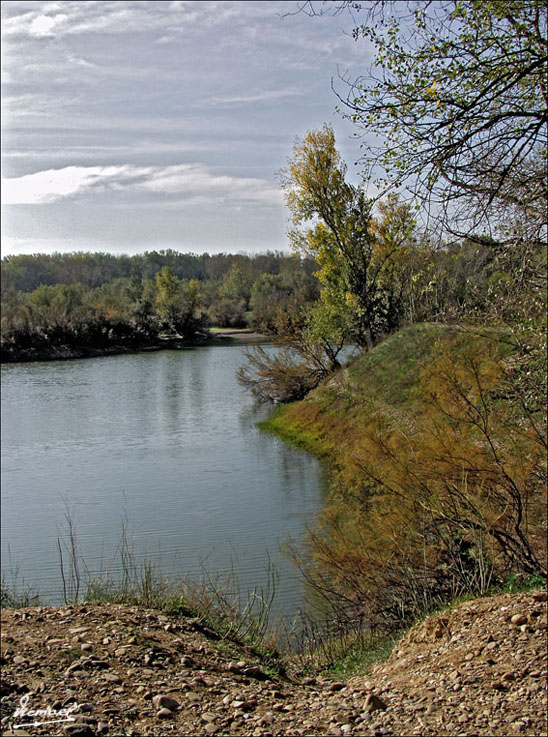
(164, 440)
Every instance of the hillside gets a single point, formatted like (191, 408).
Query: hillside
(438, 463)
(479, 668)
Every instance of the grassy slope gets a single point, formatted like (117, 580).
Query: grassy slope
(384, 382)
(389, 383)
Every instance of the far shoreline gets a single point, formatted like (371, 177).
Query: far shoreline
(214, 337)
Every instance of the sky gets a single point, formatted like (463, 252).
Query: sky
(135, 126)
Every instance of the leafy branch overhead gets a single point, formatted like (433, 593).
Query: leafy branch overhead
(454, 107)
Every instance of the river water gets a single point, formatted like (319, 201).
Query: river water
(166, 441)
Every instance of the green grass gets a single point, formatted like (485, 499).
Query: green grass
(360, 658)
(385, 381)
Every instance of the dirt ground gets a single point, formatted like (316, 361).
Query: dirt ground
(476, 669)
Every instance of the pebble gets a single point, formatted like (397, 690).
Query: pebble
(415, 692)
(79, 729)
(112, 678)
(164, 713)
(167, 702)
(243, 705)
(374, 703)
(519, 619)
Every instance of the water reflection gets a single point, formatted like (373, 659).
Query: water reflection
(168, 439)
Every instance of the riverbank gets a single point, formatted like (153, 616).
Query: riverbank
(433, 460)
(478, 668)
(215, 336)
(245, 336)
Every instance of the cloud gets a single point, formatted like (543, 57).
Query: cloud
(185, 182)
(49, 20)
(54, 184)
(265, 96)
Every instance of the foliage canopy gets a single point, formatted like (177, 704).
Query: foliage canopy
(454, 106)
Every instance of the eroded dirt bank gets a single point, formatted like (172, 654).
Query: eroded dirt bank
(477, 669)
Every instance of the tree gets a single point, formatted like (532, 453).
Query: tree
(457, 98)
(356, 263)
(168, 296)
(365, 267)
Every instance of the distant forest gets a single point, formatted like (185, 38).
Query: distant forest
(70, 304)
(56, 305)
(25, 273)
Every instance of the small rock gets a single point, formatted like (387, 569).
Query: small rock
(211, 728)
(79, 729)
(519, 619)
(237, 668)
(18, 660)
(166, 702)
(85, 719)
(112, 678)
(254, 671)
(208, 717)
(243, 705)
(540, 595)
(374, 703)
(102, 728)
(77, 672)
(337, 686)
(164, 714)
(86, 646)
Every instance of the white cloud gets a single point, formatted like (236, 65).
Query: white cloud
(264, 96)
(54, 184)
(114, 16)
(183, 181)
(44, 25)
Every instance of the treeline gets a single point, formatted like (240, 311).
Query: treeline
(24, 273)
(82, 303)
(62, 305)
